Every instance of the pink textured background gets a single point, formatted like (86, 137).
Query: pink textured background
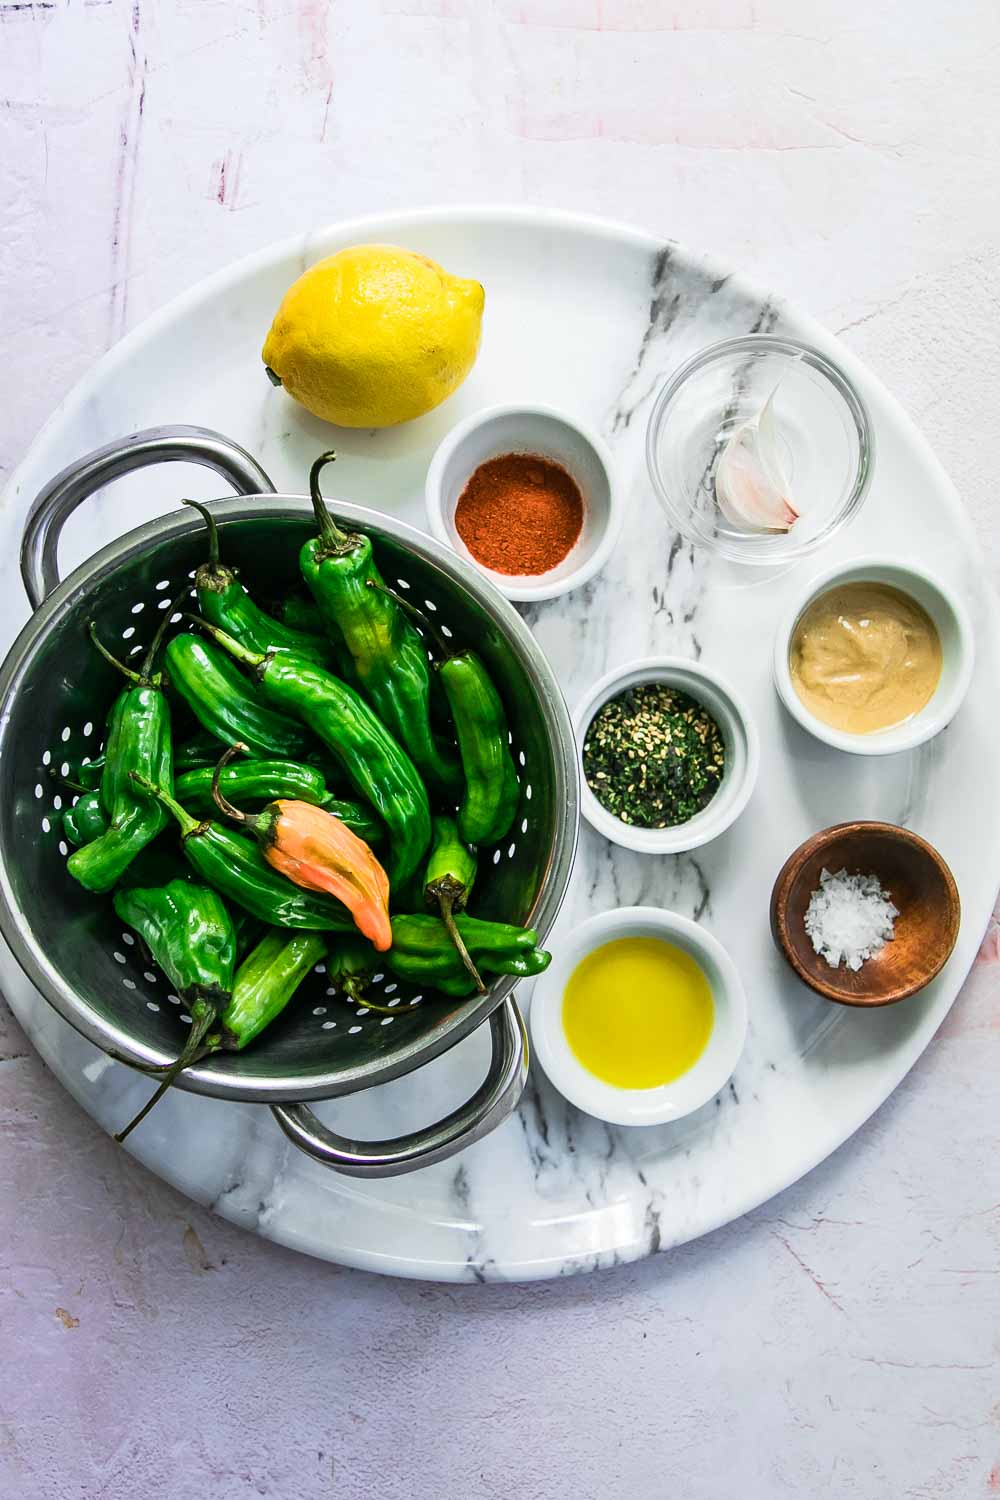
(843, 1340)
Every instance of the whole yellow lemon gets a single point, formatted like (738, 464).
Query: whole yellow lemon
(374, 335)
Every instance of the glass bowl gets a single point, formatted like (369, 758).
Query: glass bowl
(825, 438)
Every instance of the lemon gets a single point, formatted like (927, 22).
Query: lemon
(374, 335)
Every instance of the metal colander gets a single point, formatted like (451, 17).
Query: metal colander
(55, 691)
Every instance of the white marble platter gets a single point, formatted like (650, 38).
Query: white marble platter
(587, 317)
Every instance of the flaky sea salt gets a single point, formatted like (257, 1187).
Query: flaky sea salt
(849, 919)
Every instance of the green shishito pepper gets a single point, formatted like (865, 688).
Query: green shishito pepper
(224, 602)
(451, 870)
(138, 740)
(265, 982)
(85, 820)
(389, 655)
(251, 781)
(226, 705)
(237, 870)
(491, 795)
(190, 934)
(422, 952)
(375, 764)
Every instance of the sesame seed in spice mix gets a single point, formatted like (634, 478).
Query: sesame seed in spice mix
(653, 756)
(520, 514)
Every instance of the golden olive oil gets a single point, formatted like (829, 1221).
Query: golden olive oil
(638, 1012)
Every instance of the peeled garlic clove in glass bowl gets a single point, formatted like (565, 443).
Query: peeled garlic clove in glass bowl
(750, 482)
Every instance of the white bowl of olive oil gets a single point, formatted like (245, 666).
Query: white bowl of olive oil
(641, 1017)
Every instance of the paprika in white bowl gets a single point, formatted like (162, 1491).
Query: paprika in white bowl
(529, 496)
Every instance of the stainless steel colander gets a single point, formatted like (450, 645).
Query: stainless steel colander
(54, 692)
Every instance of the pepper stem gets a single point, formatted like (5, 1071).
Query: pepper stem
(192, 1052)
(426, 624)
(119, 665)
(328, 529)
(213, 530)
(161, 631)
(219, 797)
(446, 905)
(353, 987)
(230, 644)
(184, 818)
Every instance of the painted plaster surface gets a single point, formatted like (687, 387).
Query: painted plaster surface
(842, 1340)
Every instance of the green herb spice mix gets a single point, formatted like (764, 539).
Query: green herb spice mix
(653, 756)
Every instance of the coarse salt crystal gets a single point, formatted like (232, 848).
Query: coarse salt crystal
(849, 918)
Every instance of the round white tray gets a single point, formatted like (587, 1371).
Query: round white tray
(587, 317)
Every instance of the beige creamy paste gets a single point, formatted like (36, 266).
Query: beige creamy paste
(864, 657)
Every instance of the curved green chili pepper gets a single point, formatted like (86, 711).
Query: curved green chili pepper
(235, 867)
(388, 653)
(224, 602)
(492, 791)
(224, 702)
(251, 781)
(85, 820)
(451, 870)
(371, 758)
(190, 934)
(138, 739)
(265, 982)
(422, 952)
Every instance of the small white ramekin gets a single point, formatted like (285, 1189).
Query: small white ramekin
(957, 652)
(529, 429)
(739, 735)
(669, 1101)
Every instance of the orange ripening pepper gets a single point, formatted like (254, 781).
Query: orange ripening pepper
(318, 852)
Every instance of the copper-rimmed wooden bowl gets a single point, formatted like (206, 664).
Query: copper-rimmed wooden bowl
(917, 881)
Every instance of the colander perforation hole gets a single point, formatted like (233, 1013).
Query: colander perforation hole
(174, 999)
(65, 733)
(152, 1005)
(128, 938)
(63, 848)
(47, 758)
(387, 1020)
(128, 632)
(161, 584)
(429, 604)
(138, 608)
(331, 1026)
(403, 583)
(149, 976)
(353, 1030)
(320, 1010)
(46, 825)
(119, 958)
(129, 984)
(39, 791)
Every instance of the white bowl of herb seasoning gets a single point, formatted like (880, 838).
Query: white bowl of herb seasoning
(669, 755)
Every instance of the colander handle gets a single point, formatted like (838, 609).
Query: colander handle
(492, 1102)
(156, 445)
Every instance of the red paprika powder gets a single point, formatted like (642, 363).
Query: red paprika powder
(520, 514)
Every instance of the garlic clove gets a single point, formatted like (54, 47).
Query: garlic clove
(751, 487)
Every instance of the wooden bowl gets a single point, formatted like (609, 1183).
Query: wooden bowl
(917, 881)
